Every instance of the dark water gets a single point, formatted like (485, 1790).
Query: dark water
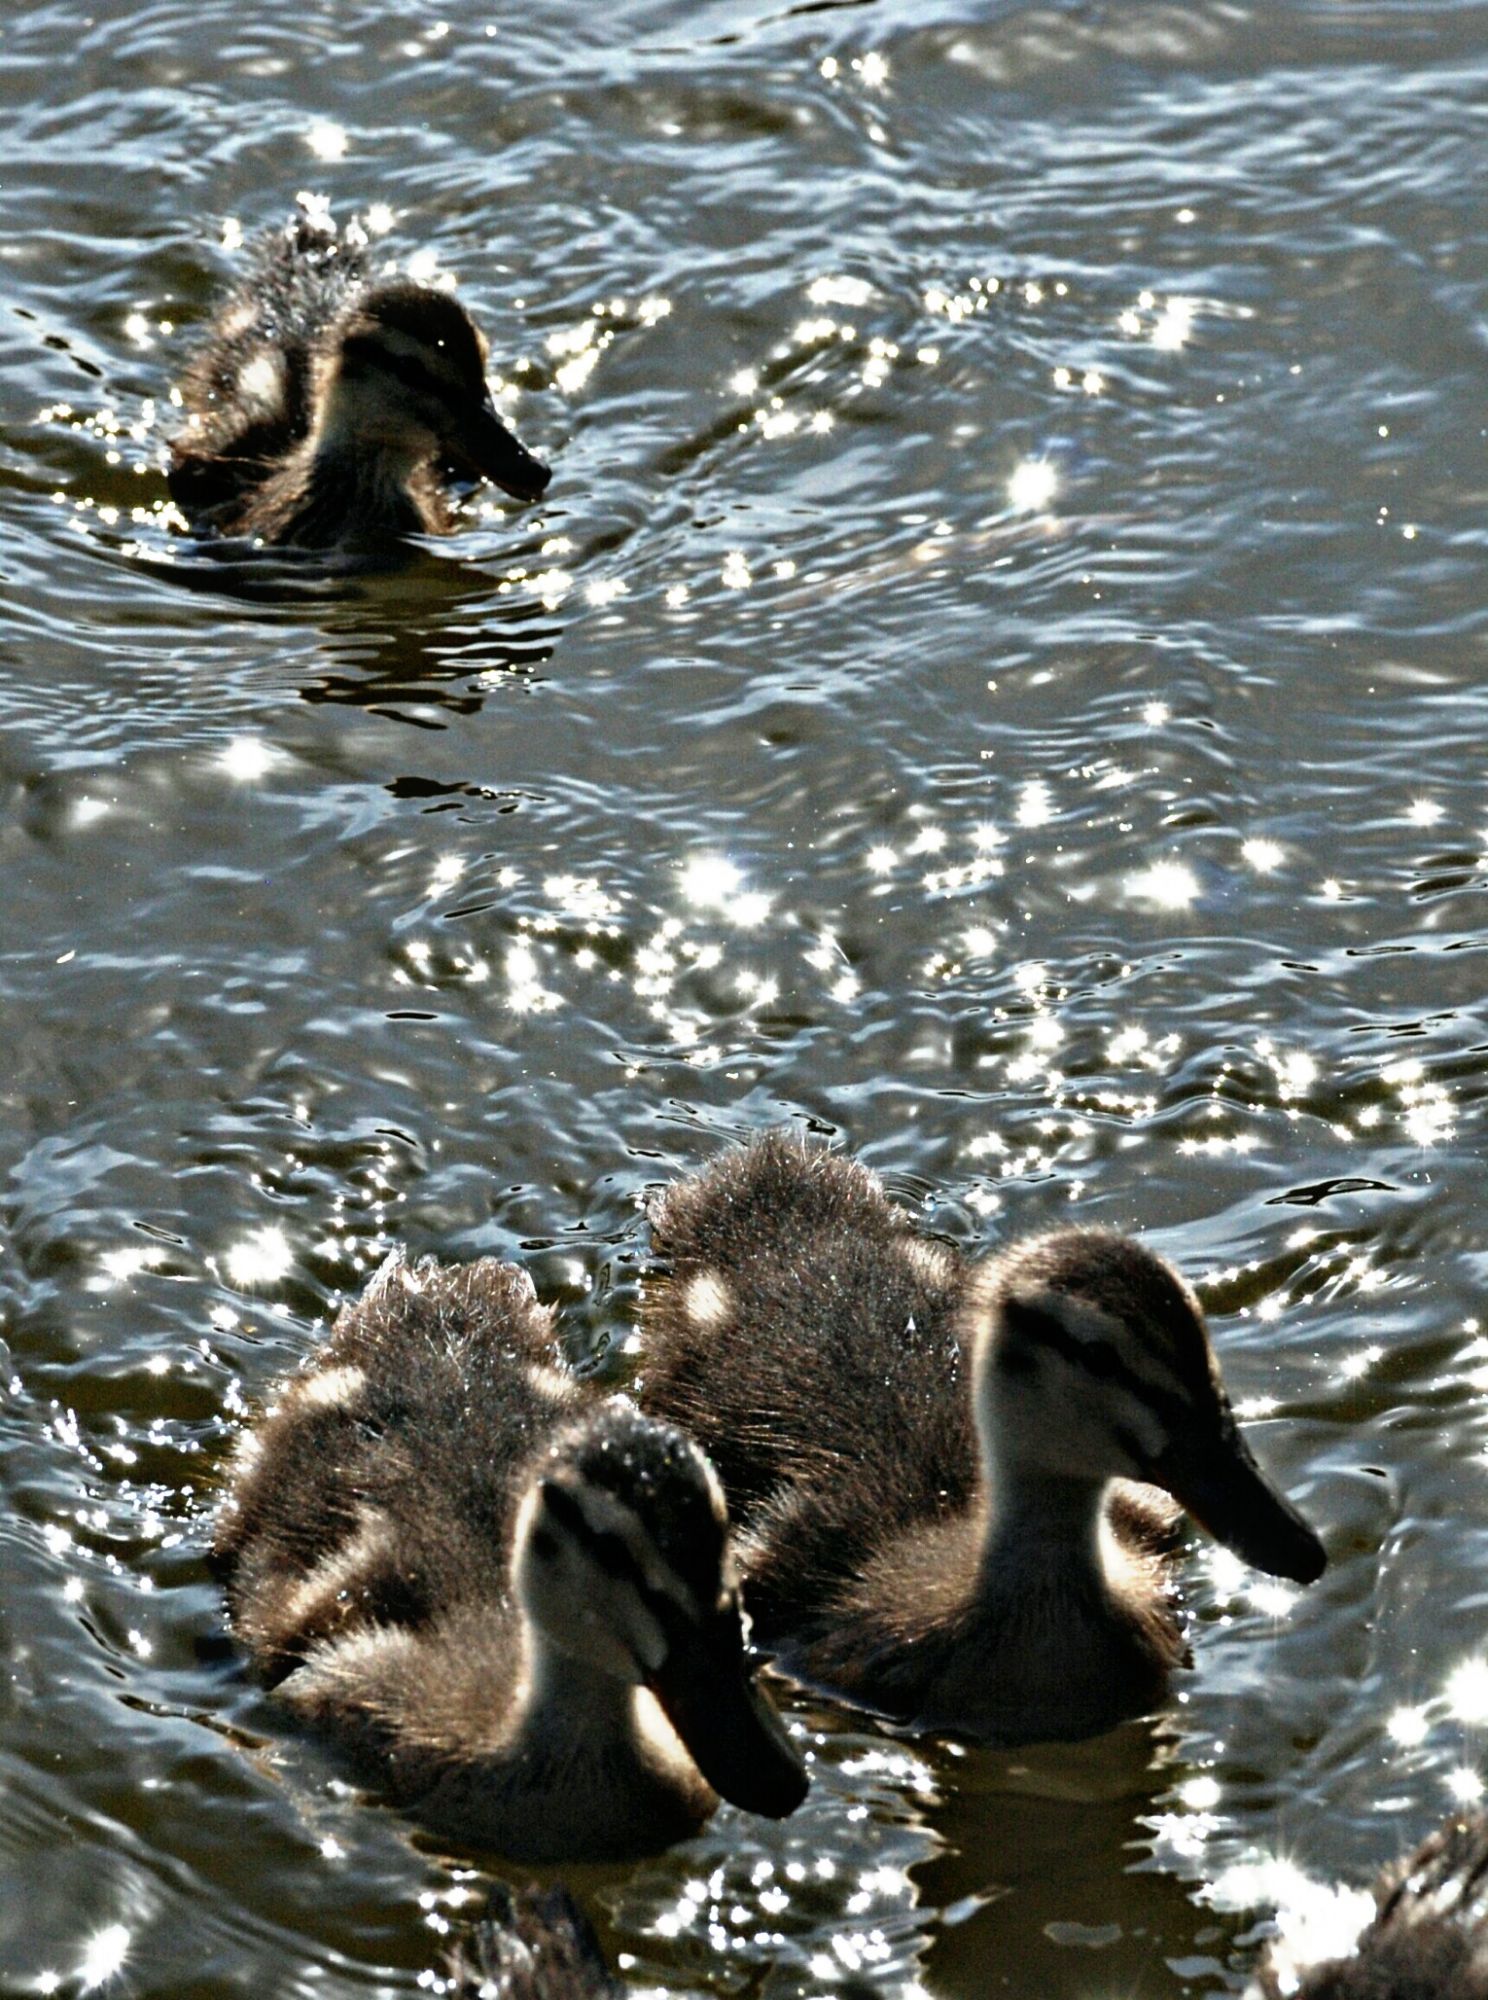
(1110, 847)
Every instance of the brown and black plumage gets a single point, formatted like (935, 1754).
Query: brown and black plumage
(943, 1474)
(505, 1596)
(1428, 1938)
(326, 410)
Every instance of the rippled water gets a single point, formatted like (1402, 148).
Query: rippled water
(998, 675)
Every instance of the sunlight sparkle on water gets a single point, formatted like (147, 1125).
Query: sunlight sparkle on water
(1428, 1112)
(259, 1258)
(1035, 804)
(838, 291)
(1467, 1691)
(246, 758)
(1173, 325)
(1265, 856)
(103, 1956)
(1032, 486)
(1314, 1922)
(713, 882)
(709, 880)
(1409, 1726)
(117, 1267)
(1296, 1071)
(1465, 1785)
(327, 141)
(1226, 1570)
(1424, 812)
(1271, 1598)
(1169, 884)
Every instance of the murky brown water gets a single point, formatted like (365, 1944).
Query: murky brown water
(999, 674)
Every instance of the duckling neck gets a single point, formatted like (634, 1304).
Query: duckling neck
(357, 489)
(568, 1701)
(1042, 1523)
(359, 476)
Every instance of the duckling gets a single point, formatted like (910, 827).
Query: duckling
(943, 1474)
(1427, 1939)
(505, 1597)
(325, 410)
(535, 1946)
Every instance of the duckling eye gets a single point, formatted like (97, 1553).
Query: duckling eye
(1100, 1357)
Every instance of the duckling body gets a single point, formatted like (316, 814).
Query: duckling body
(954, 1485)
(538, 1945)
(324, 409)
(504, 1597)
(1428, 1939)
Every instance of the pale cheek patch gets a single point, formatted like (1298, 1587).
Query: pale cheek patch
(343, 1670)
(237, 321)
(1145, 1426)
(708, 1302)
(331, 1389)
(339, 1572)
(246, 1453)
(653, 1728)
(261, 381)
(930, 1261)
(552, 1383)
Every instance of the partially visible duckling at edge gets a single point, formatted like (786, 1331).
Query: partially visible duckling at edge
(930, 1463)
(506, 1597)
(325, 411)
(538, 1945)
(1427, 1938)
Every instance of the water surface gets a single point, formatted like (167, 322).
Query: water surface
(997, 678)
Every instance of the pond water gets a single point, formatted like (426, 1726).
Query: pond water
(997, 678)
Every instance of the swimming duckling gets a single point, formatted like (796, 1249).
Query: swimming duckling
(505, 1596)
(535, 1946)
(1427, 1939)
(930, 1463)
(324, 410)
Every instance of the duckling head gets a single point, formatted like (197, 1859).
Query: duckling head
(408, 376)
(1093, 1363)
(622, 1562)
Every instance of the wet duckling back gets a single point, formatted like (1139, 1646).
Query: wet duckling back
(538, 1945)
(1428, 1938)
(505, 1597)
(325, 410)
(943, 1474)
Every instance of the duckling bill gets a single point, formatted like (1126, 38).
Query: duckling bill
(954, 1485)
(325, 410)
(507, 1599)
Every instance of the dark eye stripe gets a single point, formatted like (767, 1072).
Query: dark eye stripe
(610, 1551)
(414, 375)
(405, 368)
(1099, 1358)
